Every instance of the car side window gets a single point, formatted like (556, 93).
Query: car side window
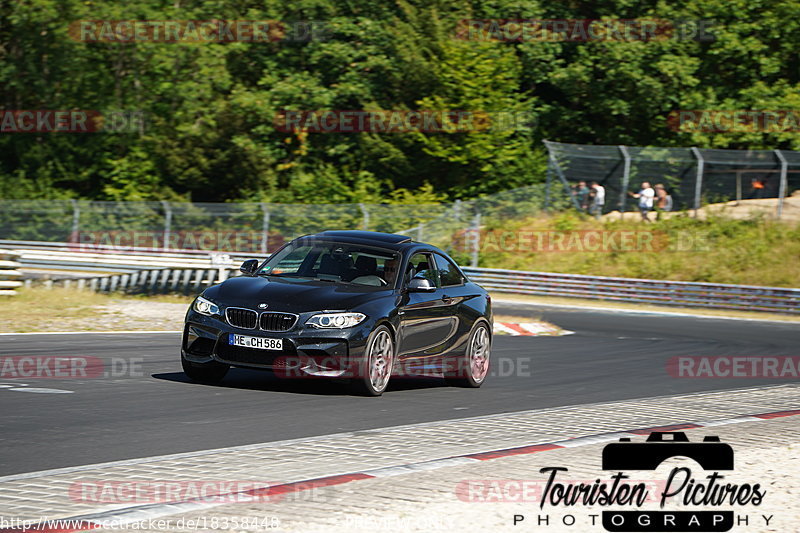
(422, 265)
(448, 272)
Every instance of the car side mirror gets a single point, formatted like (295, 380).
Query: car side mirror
(420, 284)
(249, 267)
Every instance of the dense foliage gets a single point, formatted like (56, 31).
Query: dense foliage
(210, 107)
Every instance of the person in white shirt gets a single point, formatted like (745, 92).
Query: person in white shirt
(645, 196)
(598, 201)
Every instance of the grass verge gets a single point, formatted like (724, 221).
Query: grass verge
(754, 251)
(58, 309)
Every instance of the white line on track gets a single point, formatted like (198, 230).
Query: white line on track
(43, 390)
(150, 332)
(638, 312)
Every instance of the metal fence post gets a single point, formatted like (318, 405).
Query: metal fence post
(564, 181)
(698, 185)
(548, 179)
(783, 185)
(264, 228)
(739, 187)
(365, 213)
(476, 239)
(167, 223)
(626, 178)
(76, 220)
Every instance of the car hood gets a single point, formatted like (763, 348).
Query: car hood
(292, 295)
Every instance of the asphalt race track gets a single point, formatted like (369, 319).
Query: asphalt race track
(610, 357)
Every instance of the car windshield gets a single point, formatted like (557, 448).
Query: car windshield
(334, 261)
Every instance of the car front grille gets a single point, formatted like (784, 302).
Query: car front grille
(269, 321)
(272, 321)
(241, 318)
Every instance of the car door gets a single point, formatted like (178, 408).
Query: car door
(426, 318)
(455, 292)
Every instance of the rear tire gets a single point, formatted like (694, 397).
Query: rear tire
(211, 372)
(375, 369)
(473, 367)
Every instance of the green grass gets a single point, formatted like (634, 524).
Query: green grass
(33, 309)
(751, 252)
(60, 309)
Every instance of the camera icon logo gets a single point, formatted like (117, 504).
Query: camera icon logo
(711, 454)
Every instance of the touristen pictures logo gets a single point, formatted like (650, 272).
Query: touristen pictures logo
(688, 499)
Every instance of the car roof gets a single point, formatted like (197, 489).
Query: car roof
(388, 241)
(375, 238)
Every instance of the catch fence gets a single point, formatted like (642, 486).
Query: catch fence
(692, 176)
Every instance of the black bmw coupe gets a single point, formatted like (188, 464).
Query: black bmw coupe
(357, 305)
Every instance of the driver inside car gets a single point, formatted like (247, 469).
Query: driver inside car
(389, 269)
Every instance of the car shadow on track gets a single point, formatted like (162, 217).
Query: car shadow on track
(238, 378)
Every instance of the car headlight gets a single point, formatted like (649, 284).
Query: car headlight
(336, 320)
(206, 307)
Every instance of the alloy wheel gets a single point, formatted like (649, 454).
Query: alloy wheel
(381, 357)
(479, 354)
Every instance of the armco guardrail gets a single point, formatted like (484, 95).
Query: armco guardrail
(157, 281)
(675, 293)
(97, 258)
(9, 275)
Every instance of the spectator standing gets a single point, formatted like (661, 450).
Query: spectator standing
(598, 200)
(646, 196)
(582, 195)
(663, 200)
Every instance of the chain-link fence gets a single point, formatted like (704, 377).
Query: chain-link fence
(258, 227)
(255, 227)
(691, 176)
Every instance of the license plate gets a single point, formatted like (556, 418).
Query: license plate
(259, 343)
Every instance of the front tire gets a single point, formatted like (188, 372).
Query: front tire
(211, 372)
(473, 366)
(377, 364)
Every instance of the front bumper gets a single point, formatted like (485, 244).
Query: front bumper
(306, 351)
